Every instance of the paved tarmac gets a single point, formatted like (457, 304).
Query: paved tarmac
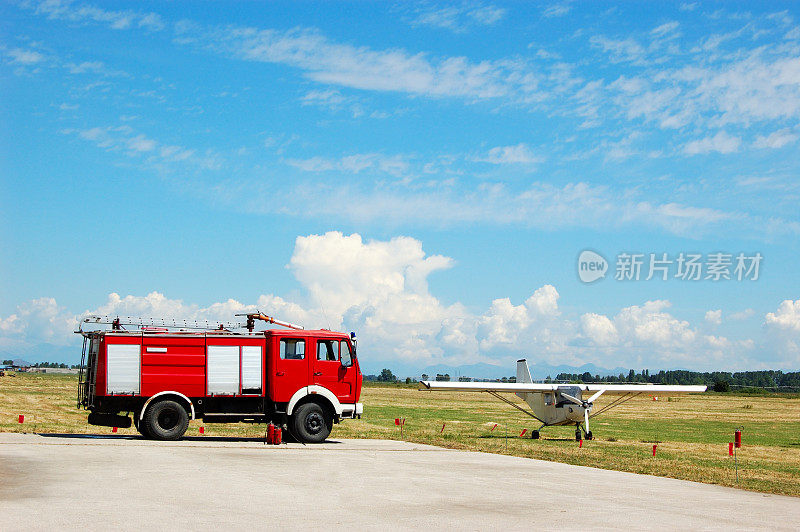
(126, 483)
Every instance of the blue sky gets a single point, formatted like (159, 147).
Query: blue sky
(426, 174)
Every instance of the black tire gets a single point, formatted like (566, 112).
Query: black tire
(535, 435)
(578, 435)
(310, 423)
(589, 435)
(166, 420)
(140, 426)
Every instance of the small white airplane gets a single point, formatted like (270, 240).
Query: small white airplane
(559, 404)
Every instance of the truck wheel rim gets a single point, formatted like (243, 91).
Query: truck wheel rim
(167, 420)
(314, 423)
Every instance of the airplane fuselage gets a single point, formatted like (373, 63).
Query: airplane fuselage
(554, 409)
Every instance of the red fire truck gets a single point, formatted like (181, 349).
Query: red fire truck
(165, 372)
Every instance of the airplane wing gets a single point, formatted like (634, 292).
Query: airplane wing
(521, 387)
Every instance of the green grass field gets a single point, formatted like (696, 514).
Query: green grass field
(692, 432)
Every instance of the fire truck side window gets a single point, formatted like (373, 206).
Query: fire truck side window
(347, 358)
(327, 350)
(293, 349)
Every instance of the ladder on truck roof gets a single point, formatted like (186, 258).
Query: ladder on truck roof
(118, 322)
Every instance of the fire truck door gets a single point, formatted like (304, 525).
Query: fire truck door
(290, 369)
(328, 371)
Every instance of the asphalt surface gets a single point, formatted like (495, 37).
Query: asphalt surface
(120, 482)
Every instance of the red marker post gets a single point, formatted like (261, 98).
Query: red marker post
(730, 448)
(113, 429)
(21, 418)
(521, 434)
(202, 430)
(580, 443)
(737, 438)
(441, 431)
(495, 426)
(654, 449)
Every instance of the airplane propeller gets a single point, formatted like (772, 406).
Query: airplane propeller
(571, 398)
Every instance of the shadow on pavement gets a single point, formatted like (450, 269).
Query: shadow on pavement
(232, 439)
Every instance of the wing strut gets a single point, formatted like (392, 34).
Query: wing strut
(513, 404)
(616, 402)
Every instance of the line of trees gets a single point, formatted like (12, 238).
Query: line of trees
(720, 381)
(755, 379)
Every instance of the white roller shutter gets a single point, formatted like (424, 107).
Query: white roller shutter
(223, 369)
(251, 368)
(122, 369)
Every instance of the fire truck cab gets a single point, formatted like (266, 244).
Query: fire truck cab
(303, 380)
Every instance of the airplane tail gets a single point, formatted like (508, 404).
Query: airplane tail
(523, 373)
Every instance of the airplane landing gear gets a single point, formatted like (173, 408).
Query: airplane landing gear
(534, 434)
(578, 433)
(589, 435)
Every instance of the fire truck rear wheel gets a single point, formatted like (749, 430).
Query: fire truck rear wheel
(310, 423)
(166, 420)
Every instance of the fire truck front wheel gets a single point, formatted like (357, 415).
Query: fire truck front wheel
(166, 420)
(310, 423)
(141, 426)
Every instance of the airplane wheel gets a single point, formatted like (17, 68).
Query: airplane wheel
(589, 435)
(578, 435)
(535, 435)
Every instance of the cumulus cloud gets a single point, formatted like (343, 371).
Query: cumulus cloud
(783, 328)
(40, 320)
(714, 317)
(380, 289)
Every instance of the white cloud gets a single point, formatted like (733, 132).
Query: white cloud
(458, 18)
(743, 315)
(721, 143)
(664, 29)
(776, 139)
(714, 317)
(25, 57)
(397, 70)
(783, 329)
(556, 10)
(153, 153)
(141, 143)
(619, 50)
(599, 329)
(395, 165)
(518, 154)
(41, 320)
(118, 20)
(86, 66)
(786, 318)
(380, 289)
(538, 205)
